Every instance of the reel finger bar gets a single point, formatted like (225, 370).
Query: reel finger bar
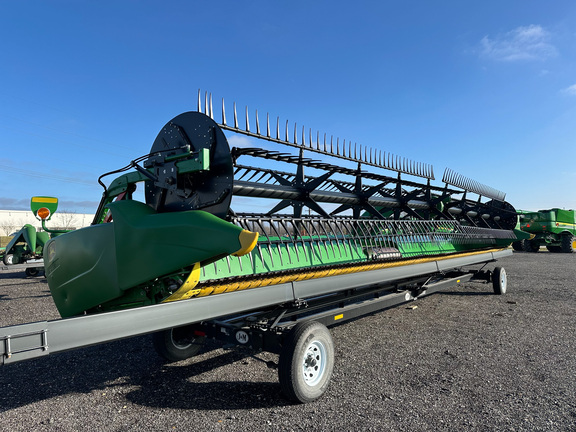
(348, 151)
(377, 195)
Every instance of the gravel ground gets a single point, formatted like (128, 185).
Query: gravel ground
(464, 359)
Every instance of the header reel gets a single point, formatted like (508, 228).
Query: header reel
(191, 167)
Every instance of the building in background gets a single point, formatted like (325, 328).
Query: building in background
(12, 220)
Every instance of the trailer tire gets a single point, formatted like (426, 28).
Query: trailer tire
(177, 343)
(8, 259)
(568, 243)
(32, 271)
(499, 280)
(306, 362)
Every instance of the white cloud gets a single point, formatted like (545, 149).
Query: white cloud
(523, 43)
(571, 90)
(240, 141)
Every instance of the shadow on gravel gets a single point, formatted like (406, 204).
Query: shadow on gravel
(117, 367)
(465, 293)
(20, 275)
(23, 297)
(223, 395)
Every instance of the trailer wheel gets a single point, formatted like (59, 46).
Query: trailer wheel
(499, 280)
(8, 259)
(178, 343)
(568, 243)
(31, 271)
(306, 362)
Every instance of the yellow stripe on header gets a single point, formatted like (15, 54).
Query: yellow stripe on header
(47, 200)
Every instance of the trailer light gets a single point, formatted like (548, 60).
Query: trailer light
(527, 225)
(43, 213)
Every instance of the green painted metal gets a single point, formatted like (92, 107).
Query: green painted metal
(94, 265)
(348, 242)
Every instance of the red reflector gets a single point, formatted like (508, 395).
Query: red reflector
(199, 333)
(527, 225)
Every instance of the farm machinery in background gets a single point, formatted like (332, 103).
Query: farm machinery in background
(348, 233)
(554, 228)
(25, 249)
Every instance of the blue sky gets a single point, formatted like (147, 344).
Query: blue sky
(487, 89)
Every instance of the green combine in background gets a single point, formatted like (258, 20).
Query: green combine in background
(554, 228)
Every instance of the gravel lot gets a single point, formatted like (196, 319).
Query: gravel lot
(464, 359)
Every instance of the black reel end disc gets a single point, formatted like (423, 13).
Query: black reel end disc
(209, 190)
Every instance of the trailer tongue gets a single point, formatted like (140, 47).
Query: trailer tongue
(187, 266)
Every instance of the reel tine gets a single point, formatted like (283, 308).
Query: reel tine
(211, 112)
(247, 120)
(278, 128)
(295, 134)
(206, 103)
(257, 124)
(287, 140)
(317, 140)
(223, 113)
(325, 143)
(235, 117)
(267, 125)
(199, 101)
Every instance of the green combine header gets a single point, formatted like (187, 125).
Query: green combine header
(341, 230)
